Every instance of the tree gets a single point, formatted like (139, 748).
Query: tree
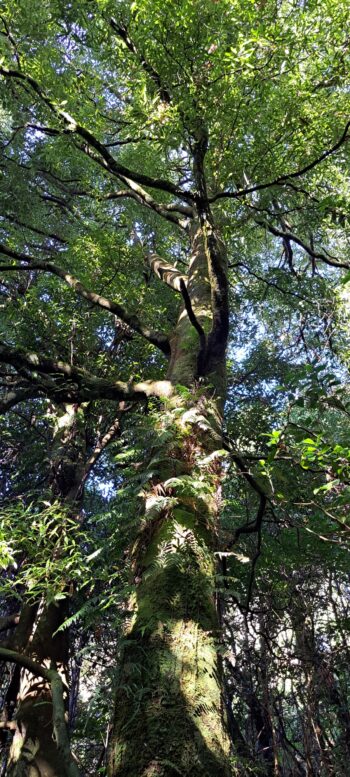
(154, 162)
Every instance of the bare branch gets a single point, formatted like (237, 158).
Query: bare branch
(166, 272)
(271, 283)
(289, 236)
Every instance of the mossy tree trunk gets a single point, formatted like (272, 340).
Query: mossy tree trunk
(33, 750)
(169, 715)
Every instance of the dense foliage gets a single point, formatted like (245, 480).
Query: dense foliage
(128, 130)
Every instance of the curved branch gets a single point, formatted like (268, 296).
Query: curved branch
(253, 526)
(272, 283)
(156, 338)
(244, 469)
(13, 398)
(284, 179)
(25, 662)
(289, 236)
(166, 272)
(93, 144)
(58, 717)
(64, 383)
(138, 194)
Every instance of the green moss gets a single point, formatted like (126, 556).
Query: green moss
(190, 341)
(178, 707)
(169, 711)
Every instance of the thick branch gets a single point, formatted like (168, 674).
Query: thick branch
(9, 621)
(156, 338)
(217, 266)
(13, 398)
(24, 661)
(123, 34)
(195, 323)
(58, 709)
(166, 272)
(64, 383)
(103, 155)
(138, 194)
(10, 725)
(60, 726)
(284, 179)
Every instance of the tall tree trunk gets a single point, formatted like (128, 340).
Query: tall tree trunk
(34, 750)
(318, 751)
(267, 734)
(169, 715)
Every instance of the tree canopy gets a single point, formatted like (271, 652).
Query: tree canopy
(174, 391)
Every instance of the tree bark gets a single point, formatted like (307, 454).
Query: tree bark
(169, 715)
(34, 749)
(318, 751)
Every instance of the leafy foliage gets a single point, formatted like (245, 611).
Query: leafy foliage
(126, 130)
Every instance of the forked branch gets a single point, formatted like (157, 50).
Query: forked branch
(91, 145)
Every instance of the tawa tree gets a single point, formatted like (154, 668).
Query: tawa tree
(153, 153)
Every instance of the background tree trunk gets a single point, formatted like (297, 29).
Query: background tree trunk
(33, 750)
